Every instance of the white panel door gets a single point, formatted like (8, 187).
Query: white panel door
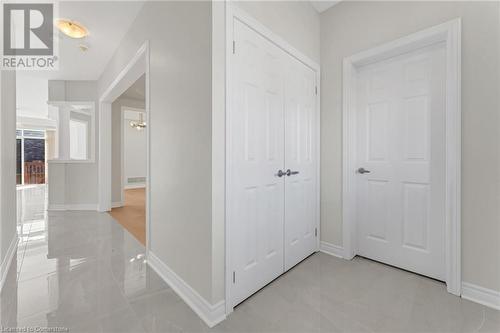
(256, 197)
(401, 142)
(301, 213)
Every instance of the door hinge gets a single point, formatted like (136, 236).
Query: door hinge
(234, 277)
(316, 90)
(234, 47)
(315, 232)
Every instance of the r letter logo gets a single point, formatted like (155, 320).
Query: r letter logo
(37, 32)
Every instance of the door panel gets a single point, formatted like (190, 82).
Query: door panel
(301, 217)
(400, 140)
(257, 140)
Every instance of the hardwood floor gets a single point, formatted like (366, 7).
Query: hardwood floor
(132, 216)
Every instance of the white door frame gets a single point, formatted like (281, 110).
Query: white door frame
(233, 12)
(136, 67)
(450, 34)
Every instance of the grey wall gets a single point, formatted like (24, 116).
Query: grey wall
(7, 161)
(297, 22)
(116, 151)
(350, 27)
(180, 130)
(80, 179)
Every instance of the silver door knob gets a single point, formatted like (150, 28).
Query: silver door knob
(290, 172)
(363, 170)
(280, 173)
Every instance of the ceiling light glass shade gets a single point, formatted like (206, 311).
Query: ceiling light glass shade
(72, 29)
(139, 125)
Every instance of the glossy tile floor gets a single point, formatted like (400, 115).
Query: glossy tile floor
(84, 271)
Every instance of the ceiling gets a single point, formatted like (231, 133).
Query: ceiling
(136, 91)
(107, 26)
(323, 5)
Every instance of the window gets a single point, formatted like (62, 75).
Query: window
(78, 137)
(30, 157)
(19, 161)
(73, 140)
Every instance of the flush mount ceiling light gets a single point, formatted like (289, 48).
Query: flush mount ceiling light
(71, 29)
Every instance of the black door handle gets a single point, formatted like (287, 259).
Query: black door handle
(363, 170)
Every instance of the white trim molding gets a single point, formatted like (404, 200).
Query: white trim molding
(70, 207)
(332, 249)
(481, 295)
(448, 33)
(7, 262)
(117, 204)
(212, 314)
(134, 186)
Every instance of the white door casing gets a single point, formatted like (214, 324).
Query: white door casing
(449, 34)
(400, 108)
(272, 125)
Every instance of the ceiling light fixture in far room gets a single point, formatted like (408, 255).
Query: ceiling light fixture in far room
(139, 125)
(72, 29)
(83, 47)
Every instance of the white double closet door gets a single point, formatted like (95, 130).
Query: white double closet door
(272, 128)
(401, 150)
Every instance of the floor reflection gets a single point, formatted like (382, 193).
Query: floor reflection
(79, 270)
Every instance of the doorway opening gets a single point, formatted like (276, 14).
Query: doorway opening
(124, 147)
(129, 159)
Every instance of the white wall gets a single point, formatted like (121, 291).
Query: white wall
(74, 183)
(134, 149)
(116, 144)
(32, 95)
(7, 162)
(350, 27)
(180, 129)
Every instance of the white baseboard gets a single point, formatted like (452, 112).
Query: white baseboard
(481, 295)
(63, 207)
(56, 207)
(4, 268)
(210, 314)
(133, 186)
(116, 204)
(331, 249)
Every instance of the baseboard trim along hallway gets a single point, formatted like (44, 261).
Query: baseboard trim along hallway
(331, 249)
(211, 314)
(62, 207)
(4, 269)
(481, 295)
